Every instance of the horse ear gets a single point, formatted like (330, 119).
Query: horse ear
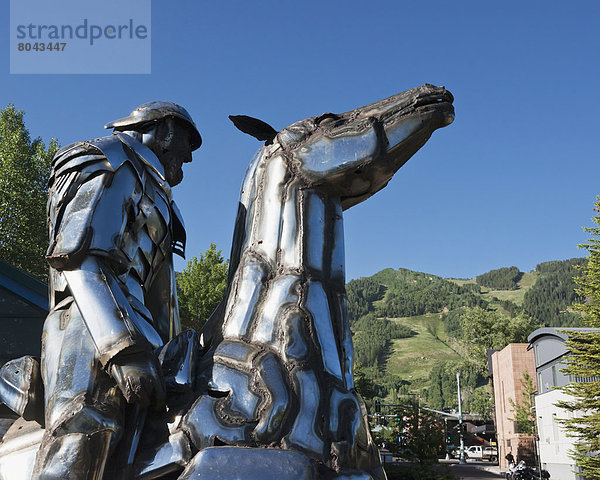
(253, 126)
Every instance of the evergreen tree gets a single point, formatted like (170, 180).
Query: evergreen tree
(501, 279)
(554, 292)
(372, 338)
(584, 363)
(24, 173)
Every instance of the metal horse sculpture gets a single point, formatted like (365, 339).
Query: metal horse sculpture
(278, 371)
(271, 393)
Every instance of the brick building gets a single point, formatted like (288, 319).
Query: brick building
(507, 368)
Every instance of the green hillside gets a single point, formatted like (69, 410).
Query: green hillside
(413, 358)
(414, 330)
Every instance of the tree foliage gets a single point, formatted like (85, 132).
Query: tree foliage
(509, 307)
(361, 294)
(365, 386)
(506, 278)
(443, 389)
(404, 293)
(553, 292)
(426, 294)
(201, 287)
(584, 362)
(372, 336)
(451, 321)
(420, 433)
(475, 331)
(24, 173)
(483, 403)
(485, 329)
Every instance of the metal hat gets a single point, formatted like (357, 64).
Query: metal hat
(152, 111)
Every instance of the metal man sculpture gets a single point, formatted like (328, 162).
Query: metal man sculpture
(113, 229)
(279, 370)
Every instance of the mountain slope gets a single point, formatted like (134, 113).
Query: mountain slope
(413, 358)
(431, 307)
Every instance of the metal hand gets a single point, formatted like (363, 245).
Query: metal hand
(139, 377)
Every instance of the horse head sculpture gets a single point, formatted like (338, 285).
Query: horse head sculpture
(278, 368)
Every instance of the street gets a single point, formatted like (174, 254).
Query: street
(469, 471)
(473, 470)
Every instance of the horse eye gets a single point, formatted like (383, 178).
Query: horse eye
(326, 118)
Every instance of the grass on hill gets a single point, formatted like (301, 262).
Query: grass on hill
(412, 358)
(515, 296)
(462, 281)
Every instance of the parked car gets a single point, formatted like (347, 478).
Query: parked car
(477, 452)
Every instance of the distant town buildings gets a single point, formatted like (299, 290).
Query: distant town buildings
(543, 358)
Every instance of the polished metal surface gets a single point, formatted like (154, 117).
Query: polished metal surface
(282, 295)
(317, 305)
(303, 433)
(21, 388)
(18, 450)
(203, 426)
(286, 292)
(178, 359)
(228, 463)
(153, 111)
(250, 286)
(354, 476)
(266, 389)
(294, 341)
(169, 457)
(274, 381)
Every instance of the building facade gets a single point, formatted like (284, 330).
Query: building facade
(508, 367)
(23, 309)
(550, 352)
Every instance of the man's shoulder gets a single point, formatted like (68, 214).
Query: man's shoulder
(73, 150)
(76, 148)
(105, 154)
(74, 156)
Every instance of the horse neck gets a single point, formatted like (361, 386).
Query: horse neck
(292, 227)
(291, 253)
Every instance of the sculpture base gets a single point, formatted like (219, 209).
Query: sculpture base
(19, 448)
(231, 463)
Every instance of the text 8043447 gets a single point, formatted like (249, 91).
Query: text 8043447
(42, 47)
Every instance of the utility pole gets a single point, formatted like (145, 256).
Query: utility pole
(460, 422)
(446, 438)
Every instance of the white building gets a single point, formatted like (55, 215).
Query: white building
(554, 445)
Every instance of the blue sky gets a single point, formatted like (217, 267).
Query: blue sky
(511, 182)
